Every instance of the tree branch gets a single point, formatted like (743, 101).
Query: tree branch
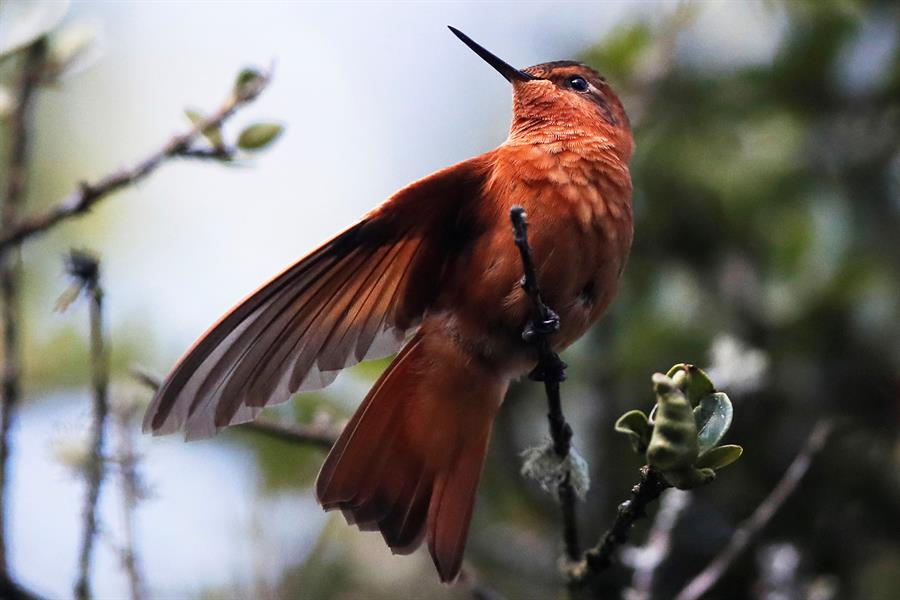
(87, 195)
(312, 435)
(85, 268)
(322, 436)
(599, 557)
(17, 179)
(750, 528)
(551, 370)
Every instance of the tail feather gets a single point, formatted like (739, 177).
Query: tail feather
(344, 485)
(404, 526)
(452, 505)
(409, 461)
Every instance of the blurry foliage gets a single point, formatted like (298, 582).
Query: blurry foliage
(283, 464)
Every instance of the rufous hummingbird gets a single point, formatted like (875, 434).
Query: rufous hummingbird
(431, 272)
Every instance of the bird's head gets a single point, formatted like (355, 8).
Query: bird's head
(558, 100)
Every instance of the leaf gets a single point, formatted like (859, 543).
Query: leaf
(720, 457)
(698, 385)
(636, 426)
(714, 415)
(69, 295)
(212, 134)
(21, 23)
(675, 369)
(258, 136)
(247, 78)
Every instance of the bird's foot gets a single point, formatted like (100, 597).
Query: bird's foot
(538, 328)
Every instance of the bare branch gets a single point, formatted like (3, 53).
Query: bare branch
(322, 436)
(87, 195)
(33, 59)
(313, 435)
(551, 370)
(750, 528)
(599, 557)
(85, 269)
(149, 380)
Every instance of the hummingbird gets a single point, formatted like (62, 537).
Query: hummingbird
(432, 275)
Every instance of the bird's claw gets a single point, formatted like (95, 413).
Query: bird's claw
(543, 327)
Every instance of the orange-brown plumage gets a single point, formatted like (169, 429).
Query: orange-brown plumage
(434, 264)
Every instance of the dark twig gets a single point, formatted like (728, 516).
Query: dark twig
(13, 198)
(599, 557)
(749, 529)
(87, 195)
(551, 370)
(217, 153)
(85, 269)
(313, 435)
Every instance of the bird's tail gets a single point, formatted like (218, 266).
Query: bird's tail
(409, 460)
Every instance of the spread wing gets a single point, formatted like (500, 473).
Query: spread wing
(356, 297)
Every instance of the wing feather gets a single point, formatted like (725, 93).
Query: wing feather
(356, 297)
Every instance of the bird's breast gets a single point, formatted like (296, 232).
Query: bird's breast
(580, 229)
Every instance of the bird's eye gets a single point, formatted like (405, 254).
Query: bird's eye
(579, 84)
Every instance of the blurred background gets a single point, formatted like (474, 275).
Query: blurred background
(767, 204)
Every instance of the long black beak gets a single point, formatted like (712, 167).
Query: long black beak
(511, 73)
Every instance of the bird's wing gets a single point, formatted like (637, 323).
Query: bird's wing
(354, 298)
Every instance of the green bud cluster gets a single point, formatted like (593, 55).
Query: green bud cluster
(680, 436)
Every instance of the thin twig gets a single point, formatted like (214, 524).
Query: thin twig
(85, 268)
(87, 195)
(599, 557)
(749, 529)
(217, 153)
(10, 271)
(551, 370)
(322, 436)
(127, 462)
(311, 435)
